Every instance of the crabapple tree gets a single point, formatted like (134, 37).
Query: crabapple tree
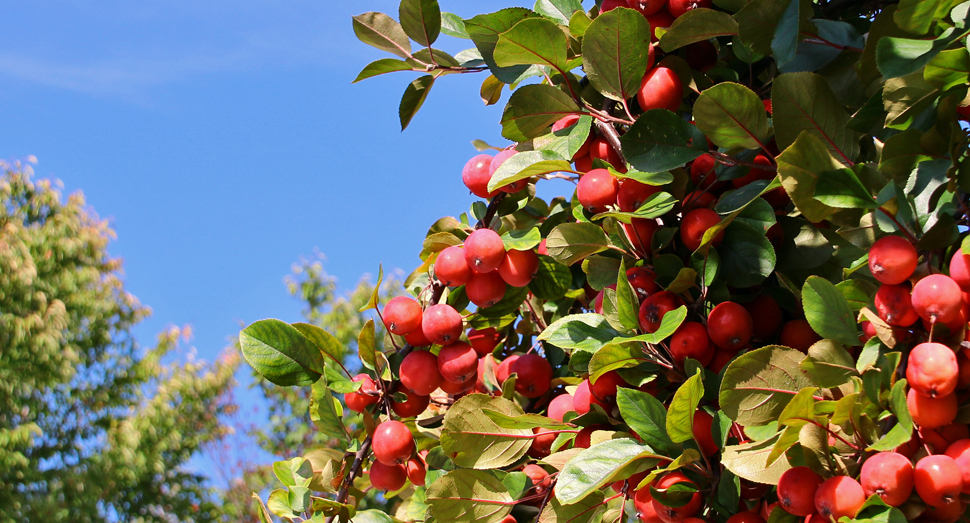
(750, 306)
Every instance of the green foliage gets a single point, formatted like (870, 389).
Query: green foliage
(92, 427)
(807, 129)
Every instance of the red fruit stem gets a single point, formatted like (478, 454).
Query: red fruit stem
(545, 500)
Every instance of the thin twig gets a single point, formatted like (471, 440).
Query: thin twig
(354, 472)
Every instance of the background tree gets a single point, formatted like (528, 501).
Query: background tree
(92, 427)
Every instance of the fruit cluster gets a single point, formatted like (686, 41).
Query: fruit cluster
(753, 308)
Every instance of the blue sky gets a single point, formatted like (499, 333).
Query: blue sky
(224, 140)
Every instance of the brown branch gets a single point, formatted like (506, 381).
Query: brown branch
(355, 470)
(490, 211)
(609, 132)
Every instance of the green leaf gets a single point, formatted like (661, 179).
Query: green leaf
(903, 430)
(680, 415)
(261, 511)
(532, 109)
(522, 240)
(414, 97)
(588, 509)
(579, 23)
(627, 304)
(321, 339)
(828, 365)
(788, 438)
(656, 205)
(421, 20)
(659, 141)
(668, 325)
(326, 412)
(746, 255)
(828, 312)
(758, 23)
(525, 165)
(784, 45)
(532, 41)
(473, 440)
(646, 416)
(293, 473)
(800, 410)
(571, 242)
(566, 142)
(469, 496)
(559, 11)
(842, 189)
(453, 25)
(615, 52)
(905, 98)
(616, 355)
(597, 466)
(731, 115)
(917, 16)
(375, 294)
(383, 32)
(897, 57)
(552, 281)
(367, 345)
(655, 179)
(698, 25)
(805, 102)
(799, 167)
(280, 353)
(372, 516)
(585, 332)
(382, 66)
(750, 461)
(948, 69)
(484, 31)
(758, 385)
(525, 421)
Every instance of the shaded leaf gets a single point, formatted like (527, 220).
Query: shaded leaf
(484, 30)
(731, 115)
(532, 109)
(698, 25)
(799, 167)
(805, 102)
(382, 66)
(421, 20)
(414, 97)
(615, 52)
(532, 41)
(383, 32)
(658, 141)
